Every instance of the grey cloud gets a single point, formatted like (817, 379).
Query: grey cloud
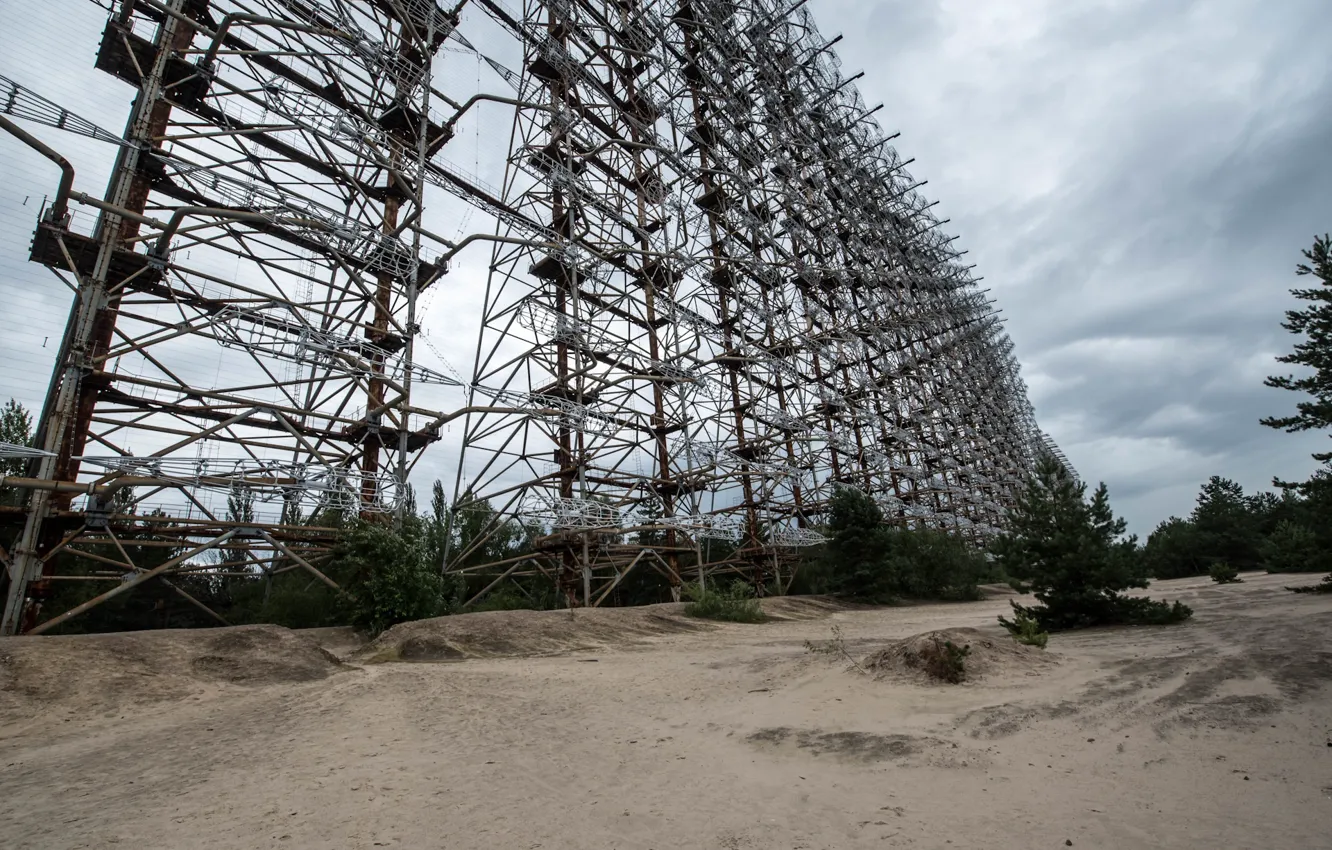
(901, 24)
(1135, 181)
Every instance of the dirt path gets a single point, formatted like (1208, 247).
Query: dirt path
(1217, 733)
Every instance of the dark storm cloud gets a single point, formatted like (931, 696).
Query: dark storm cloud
(1135, 180)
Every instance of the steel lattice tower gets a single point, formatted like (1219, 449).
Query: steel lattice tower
(714, 294)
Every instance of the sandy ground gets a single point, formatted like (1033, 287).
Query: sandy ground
(646, 731)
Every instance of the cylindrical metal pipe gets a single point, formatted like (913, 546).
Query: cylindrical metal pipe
(164, 240)
(60, 207)
(74, 487)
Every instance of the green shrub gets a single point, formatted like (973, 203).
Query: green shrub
(521, 594)
(945, 660)
(933, 564)
(392, 579)
(1099, 609)
(1293, 548)
(1324, 586)
(869, 561)
(1026, 630)
(300, 602)
(1223, 573)
(733, 604)
(855, 563)
(1139, 611)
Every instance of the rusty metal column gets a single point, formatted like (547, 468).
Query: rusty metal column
(91, 324)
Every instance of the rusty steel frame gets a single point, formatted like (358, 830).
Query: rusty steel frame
(245, 299)
(714, 294)
(747, 304)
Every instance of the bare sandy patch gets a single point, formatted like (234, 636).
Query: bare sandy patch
(86, 674)
(684, 734)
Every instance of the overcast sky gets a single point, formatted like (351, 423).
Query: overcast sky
(1135, 180)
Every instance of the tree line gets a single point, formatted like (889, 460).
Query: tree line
(1287, 531)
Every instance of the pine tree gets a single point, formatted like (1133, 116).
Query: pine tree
(1072, 554)
(1226, 525)
(857, 548)
(1314, 323)
(1293, 548)
(1314, 351)
(650, 512)
(15, 429)
(1172, 550)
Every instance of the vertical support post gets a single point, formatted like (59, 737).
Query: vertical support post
(67, 415)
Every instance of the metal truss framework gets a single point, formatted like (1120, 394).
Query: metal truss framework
(715, 294)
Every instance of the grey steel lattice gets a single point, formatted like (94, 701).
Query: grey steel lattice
(714, 294)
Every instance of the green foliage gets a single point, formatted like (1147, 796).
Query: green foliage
(857, 548)
(15, 428)
(296, 600)
(812, 573)
(650, 512)
(1173, 550)
(1293, 548)
(1314, 351)
(1242, 530)
(157, 603)
(1263, 530)
(1070, 551)
(933, 564)
(240, 508)
(392, 580)
(529, 593)
(734, 603)
(1141, 611)
(1305, 542)
(1223, 573)
(870, 561)
(646, 584)
(1026, 630)
(478, 533)
(1225, 524)
(1324, 586)
(954, 661)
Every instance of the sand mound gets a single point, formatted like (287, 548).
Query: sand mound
(107, 671)
(804, 607)
(926, 657)
(497, 634)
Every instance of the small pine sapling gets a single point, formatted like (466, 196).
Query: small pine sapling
(1026, 630)
(1223, 573)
